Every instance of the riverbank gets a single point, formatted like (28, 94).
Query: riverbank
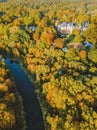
(12, 115)
(42, 101)
(31, 105)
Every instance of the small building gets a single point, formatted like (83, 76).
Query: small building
(65, 28)
(86, 24)
(79, 46)
(87, 44)
(75, 46)
(65, 49)
(32, 27)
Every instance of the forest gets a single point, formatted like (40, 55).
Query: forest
(55, 43)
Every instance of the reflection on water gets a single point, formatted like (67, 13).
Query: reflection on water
(24, 86)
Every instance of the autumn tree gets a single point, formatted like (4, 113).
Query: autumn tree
(82, 54)
(59, 42)
(91, 33)
(92, 55)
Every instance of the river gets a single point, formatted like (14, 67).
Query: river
(34, 119)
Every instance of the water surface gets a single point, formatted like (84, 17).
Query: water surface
(24, 86)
